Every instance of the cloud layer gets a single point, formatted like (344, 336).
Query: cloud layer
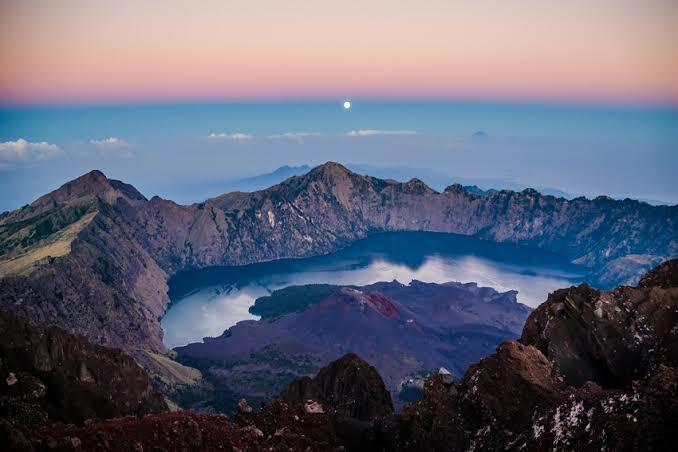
(23, 150)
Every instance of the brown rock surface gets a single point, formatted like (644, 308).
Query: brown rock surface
(569, 397)
(613, 337)
(349, 385)
(48, 375)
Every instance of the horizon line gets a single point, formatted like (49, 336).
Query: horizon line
(573, 101)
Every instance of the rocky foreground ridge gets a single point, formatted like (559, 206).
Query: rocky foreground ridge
(94, 256)
(592, 371)
(48, 375)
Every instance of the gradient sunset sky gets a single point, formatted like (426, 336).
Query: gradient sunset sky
(81, 51)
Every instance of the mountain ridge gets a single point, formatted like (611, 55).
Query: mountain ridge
(124, 254)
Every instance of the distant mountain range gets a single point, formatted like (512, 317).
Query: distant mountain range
(434, 179)
(261, 181)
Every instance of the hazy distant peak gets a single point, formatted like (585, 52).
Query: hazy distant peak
(286, 168)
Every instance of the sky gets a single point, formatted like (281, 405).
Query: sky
(180, 98)
(80, 51)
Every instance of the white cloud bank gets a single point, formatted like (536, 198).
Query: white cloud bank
(374, 132)
(237, 136)
(23, 150)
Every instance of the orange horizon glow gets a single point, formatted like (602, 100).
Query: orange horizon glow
(77, 51)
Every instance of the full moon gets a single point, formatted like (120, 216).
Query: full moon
(347, 105)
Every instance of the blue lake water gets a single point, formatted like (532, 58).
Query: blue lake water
(206, 302)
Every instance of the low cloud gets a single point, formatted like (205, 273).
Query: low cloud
(237, 136)
(110, 142)
(23, 150)
(375, 132)
(113, 147)
(296, 136)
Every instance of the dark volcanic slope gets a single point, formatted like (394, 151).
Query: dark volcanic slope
(94, 255)
(404, 331)
(48, 375)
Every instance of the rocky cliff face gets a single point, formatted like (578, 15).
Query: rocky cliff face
(614, 337)
(582, 377)
(48, 375)
(349, 385)
(94, 256)
(104, 286)
(330, 206)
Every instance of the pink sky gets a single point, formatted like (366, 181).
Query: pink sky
(132, 50)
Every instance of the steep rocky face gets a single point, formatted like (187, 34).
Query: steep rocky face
(349, 385)
(614, 337)
(594, 387)
(95, 250)
(488, 409)
(345, 405)
(107, 287)
(95, 280)
(330, 206)
(48, 375)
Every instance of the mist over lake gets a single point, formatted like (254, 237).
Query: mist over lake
(207, 302)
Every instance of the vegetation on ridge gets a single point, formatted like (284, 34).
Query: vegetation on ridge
(291, 299)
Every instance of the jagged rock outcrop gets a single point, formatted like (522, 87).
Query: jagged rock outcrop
(48, 375)
(612, 338)
(345, 405)
(349, 385)
(664, 276)
(594, 387)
